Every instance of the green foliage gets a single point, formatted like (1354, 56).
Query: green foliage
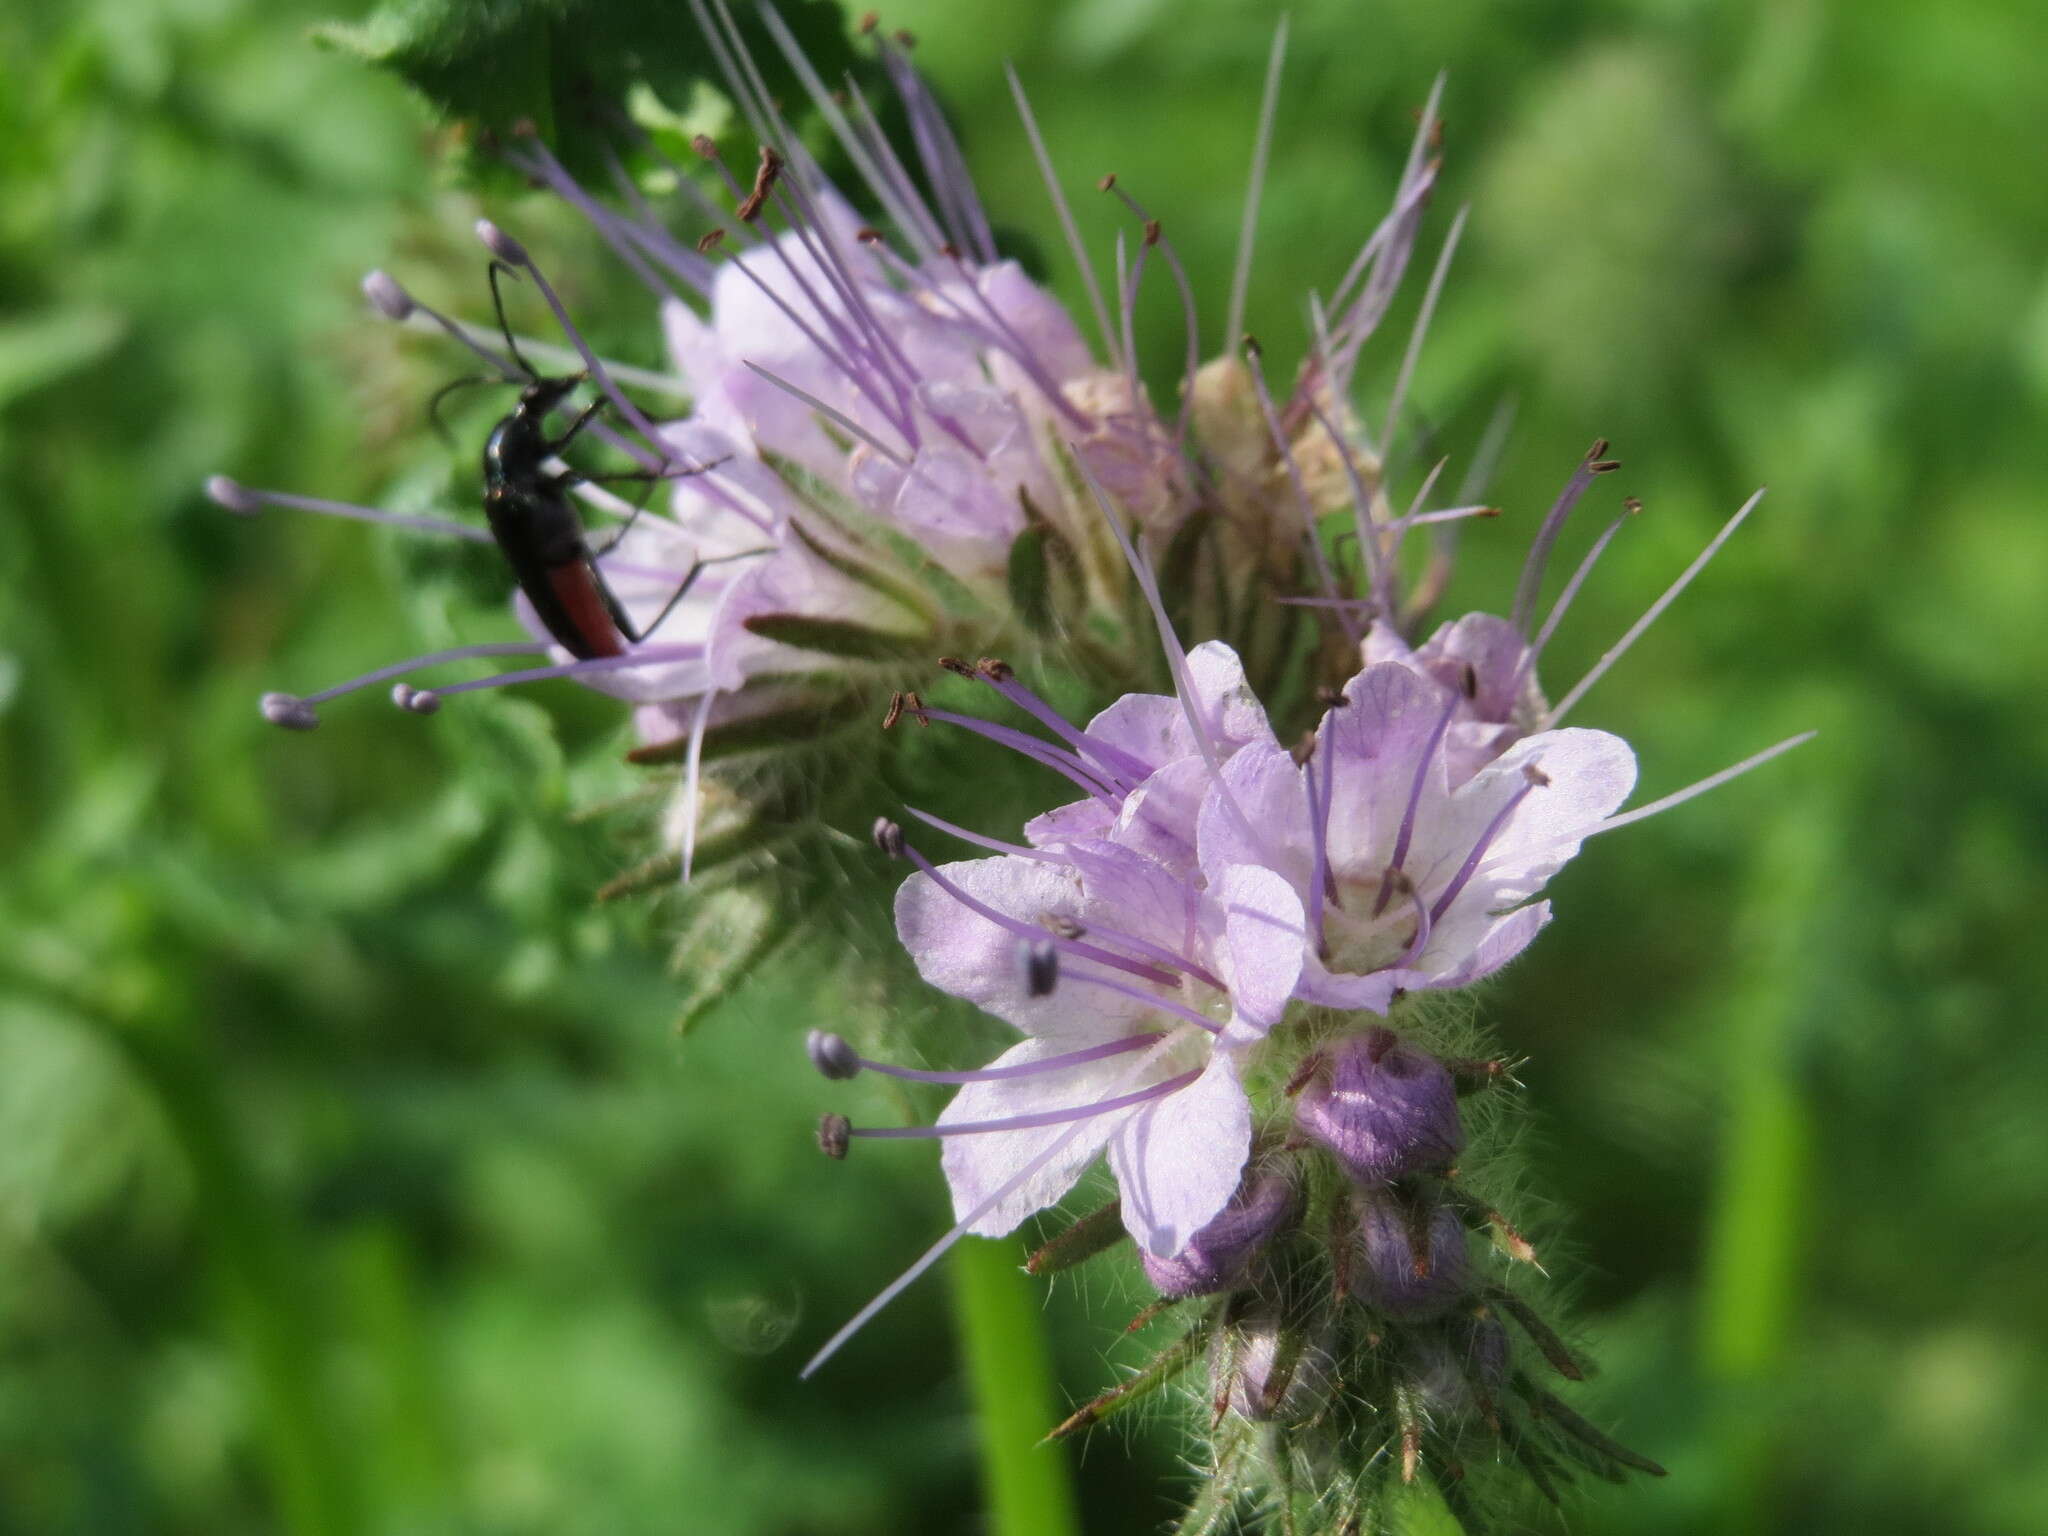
(354, 1178)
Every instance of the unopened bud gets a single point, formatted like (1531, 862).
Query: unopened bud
(1264, 1369)
(1385, 1109)
(1413, 1262)
(1217, 1257)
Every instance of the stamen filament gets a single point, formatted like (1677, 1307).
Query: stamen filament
(1407, 831)
(1111, 984)
(1531, 582)
(1635, 633)
(1466, 870)
(1030, 1122)
(982, 840)
(402, 668)
(1022, 1069)
(1255, 186)
(1058, 759)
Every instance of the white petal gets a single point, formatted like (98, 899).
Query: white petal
(1264, 942)
(980, 1164)
(1179, 1159)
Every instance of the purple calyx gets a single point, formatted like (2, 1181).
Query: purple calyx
(1413, 1258)
(1383, 1108)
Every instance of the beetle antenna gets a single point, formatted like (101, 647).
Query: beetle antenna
(511, 342)
(434, 405)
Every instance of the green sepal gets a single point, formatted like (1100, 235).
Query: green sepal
(1097, 1232)
(799, 723)
(837, 637)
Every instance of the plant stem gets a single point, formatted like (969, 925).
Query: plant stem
(1030, 1488)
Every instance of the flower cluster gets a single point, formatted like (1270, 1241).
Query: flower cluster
(896, 444)
(1185, 949)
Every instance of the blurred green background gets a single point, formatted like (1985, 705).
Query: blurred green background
(352, 1177)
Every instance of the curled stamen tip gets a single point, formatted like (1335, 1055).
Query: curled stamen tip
(418, 701)
(831, 1055)
(289, 711)
(1040, 963)
(233, 495)
(500, 244)
(386, 296)
(835, 1133)
(1536, 776)
(888, 837)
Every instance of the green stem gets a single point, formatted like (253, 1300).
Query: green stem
(1002, 1340)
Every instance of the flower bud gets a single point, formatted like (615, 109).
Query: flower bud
(1458, 1371)
(1216, 1257)
(1385, 1109)
(1267, 1369)
(1392, 1276)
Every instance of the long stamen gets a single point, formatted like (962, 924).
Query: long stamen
(640, 656)
(999, 676)
(982, 840)
(1060, 761)
(1076, 947)
(1407, 831)
(1030, 1122)
(1559, 608)
(1430, 295)
(1255, 186)
(245, 501)
(939, 1249)
(829, 1048)
(1532, 778)
(1424, 923)
(1657, 807)
(837, 417)
(1190, 325)
(1635, 633)
(693, 762)
(1317, 557)
(1082, 264)
(297, 712)
(1176, 654)
(1526, 589)
(1138, 994)
(1319, 868)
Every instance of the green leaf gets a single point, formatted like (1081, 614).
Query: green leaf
(562, 65)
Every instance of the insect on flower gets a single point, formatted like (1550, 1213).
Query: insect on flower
(526, 499)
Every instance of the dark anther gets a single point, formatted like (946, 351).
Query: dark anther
(1631, 505)
(915, 705)
(708, 241)
(895, 711)
(1151, 231)
(1106, 183)
(1330, 697)
(869, 20)
(1041, 964)
(1251, 347)
(905, 38)
(1535, 775)
(765, 177)
(705, 146)
(1598, 450)
(1468, 681)
(867, 234)
(950, 251)
(995, 669)
(1303, 749)
(831, 1055)
(888, 837)
(956, 666)
(1603, 466)
(834, 1134)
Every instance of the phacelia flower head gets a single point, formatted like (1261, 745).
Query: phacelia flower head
(895, 439)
